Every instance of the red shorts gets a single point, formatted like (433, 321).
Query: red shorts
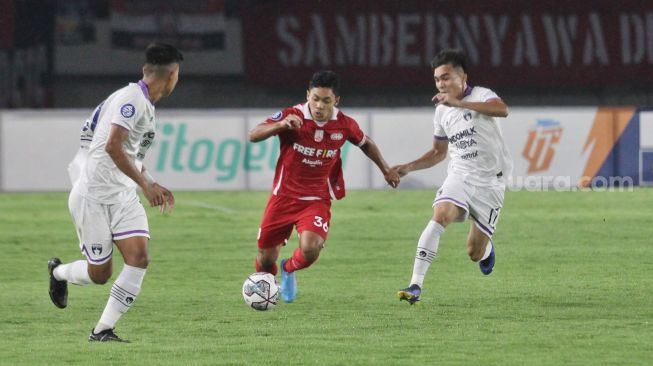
(282, 213)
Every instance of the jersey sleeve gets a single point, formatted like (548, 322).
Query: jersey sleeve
(280, 115)
(356, 135)
(438, 130)
(126, 110)
(486, 94)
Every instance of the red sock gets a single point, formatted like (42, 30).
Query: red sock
(297, 261)
(273, 269)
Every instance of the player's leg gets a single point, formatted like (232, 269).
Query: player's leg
(480, 249)
(276, 227)
(485, 209)
(313, 227)
(130, 232)
(95, 244)
(449, 206)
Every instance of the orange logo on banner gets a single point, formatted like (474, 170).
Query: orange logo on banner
(539, 149)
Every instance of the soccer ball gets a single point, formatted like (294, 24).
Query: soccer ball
(261, 291)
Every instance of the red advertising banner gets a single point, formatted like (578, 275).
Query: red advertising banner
(7, 14)
(508, 43)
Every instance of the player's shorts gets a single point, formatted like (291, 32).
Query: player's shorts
(282, 213)
(481, 203)
(99, 225)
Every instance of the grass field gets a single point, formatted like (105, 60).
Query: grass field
(573, 284)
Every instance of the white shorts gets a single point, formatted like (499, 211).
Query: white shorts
(482, 203)
(99, 225)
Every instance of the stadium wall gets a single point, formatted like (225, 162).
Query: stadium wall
(554, 147)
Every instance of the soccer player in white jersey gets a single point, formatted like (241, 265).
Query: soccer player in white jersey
(104, 204)
(465, 125)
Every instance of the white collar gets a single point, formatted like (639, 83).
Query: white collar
(307, 113)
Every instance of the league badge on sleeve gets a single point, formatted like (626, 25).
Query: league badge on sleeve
(277, 116)
(127, 110)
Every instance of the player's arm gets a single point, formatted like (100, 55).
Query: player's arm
(372, 151)
(154, 193)
(494, 107)
(265, 130)
(429, 159)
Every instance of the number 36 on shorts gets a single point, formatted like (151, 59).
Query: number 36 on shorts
(319, 222)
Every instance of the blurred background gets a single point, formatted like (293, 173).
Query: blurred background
(577, 76)
(260, 53)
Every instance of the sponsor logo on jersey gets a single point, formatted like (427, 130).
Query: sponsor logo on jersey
(277, 116)
(469, 155)
(311, 151)
(319, 135)
(336, 136)
(462, 134)
(127, 110)
(540, 145)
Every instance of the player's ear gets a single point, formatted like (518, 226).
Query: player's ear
(337, 101)
(308, 93)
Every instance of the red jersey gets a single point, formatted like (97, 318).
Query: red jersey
(309, 165)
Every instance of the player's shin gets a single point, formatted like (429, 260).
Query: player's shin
(123, 293)
(297, 261)
(75, 272)
(261, 268)
(427, 247)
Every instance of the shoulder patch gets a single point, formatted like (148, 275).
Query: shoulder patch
(127, 110)
(277, 116)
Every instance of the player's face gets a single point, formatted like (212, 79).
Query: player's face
(449, 79)
(321, 102)
(173, 77)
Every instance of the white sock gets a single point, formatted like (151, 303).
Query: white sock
(123, 293)
(488, 249)
(427, 247)
(75, 272)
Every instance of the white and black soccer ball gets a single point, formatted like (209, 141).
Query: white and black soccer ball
(261, 291)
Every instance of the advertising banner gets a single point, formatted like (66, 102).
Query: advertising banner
(391, 43)
(559, 148)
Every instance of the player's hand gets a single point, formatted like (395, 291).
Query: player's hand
(169, 202)
(292, 121)
(446, 99)
(158, 196)
(402, 170)
(392, 177)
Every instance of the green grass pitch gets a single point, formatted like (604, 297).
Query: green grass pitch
(573, 284)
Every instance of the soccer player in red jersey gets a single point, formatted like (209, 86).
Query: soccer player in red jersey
(308, 176)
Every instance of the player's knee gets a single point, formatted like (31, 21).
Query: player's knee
(100, 277)
(140, 260)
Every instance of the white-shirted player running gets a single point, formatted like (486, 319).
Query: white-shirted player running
(103, 203)
(465, 126)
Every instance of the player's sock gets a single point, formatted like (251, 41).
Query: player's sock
(488, 249)
(123, 294)
(259, 268)
(297, 261)
(427, 247)
(75, 272)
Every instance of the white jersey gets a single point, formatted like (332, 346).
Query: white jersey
(478, 152)
(100, 179)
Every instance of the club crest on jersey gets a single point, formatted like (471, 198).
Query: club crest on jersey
(127, 110)
(336, 136)
(467, 116)
(319, 135)
(96, 249)
(277, 116)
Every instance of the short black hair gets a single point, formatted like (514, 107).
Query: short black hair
(325, 79)
(162, 54)
(454, 57)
